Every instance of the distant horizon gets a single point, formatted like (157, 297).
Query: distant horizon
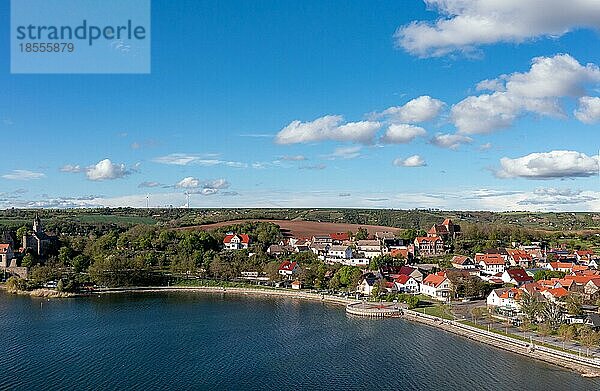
(193, 208)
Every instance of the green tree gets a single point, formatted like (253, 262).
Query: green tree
(28, 260)
(80, 263)
(566, 333)
(65, 254)
(478, 313)
(552, 314)
(21, 232)
(588, 338)
(15, 284)
(573, 304)
(530, 306)
(361, 234)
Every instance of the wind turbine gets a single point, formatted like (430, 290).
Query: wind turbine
(147, 201)
(187, 196)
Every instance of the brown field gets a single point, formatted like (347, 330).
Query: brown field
(297, 228)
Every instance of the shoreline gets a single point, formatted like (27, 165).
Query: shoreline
(230, 290)
(547, 355)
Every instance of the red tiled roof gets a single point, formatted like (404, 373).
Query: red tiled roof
(435, 280)
(490, 259)
(288, 266)
(340, 236)
(402, 279)
(459, 259)
(403, 252)
(562, 265)
(4, 248)
(519, 275)
(558, 292)
(243, 237)
(513, 293)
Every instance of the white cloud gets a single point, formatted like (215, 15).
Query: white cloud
(196, 186)
(421, 109)
(402, 134)
(23, 175)
(293, 158)
(150, 184)
(549, 165)
(179, 159)
(313, 167)
(330, 127)
(106, 170)
(188, 183)
(72, 168)
(184, 159)
(411, 161)
(218, 184)
(553, 196)
(346, 152)
(466, 24)
(537, 91)
(589, 109)
(450, 141)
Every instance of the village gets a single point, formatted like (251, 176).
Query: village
(525, 285)
(530, 288)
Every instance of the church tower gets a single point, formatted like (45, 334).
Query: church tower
(37, 225)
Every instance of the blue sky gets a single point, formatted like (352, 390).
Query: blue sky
(321, 104)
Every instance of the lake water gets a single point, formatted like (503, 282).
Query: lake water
(207, 341)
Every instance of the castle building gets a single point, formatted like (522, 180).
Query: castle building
(38, 241)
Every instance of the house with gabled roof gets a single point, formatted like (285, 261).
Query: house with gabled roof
(555, 294)
(339, 237)
(366, 285)
(340, 252)
(516, 276)
(584, 256)
(519, 258)
(491, 263)
(505, 299)
(370, 248)
(462, 262)
(288, 269)
(6, 254)
(566, 267)
(437, 286)
(406, 284)
(234, 241)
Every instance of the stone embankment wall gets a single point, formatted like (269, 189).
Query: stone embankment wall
(585, 365)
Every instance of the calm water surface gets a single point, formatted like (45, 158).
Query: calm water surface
(203, 341)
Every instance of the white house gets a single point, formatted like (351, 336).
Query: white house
(437, 286)
(406, 284)
(236, 242)
(288, 269)
(371, 248)
(340, 252)
(463, 262)
(366, 286)
(491, 263)
(516, 276)
(505, 298)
